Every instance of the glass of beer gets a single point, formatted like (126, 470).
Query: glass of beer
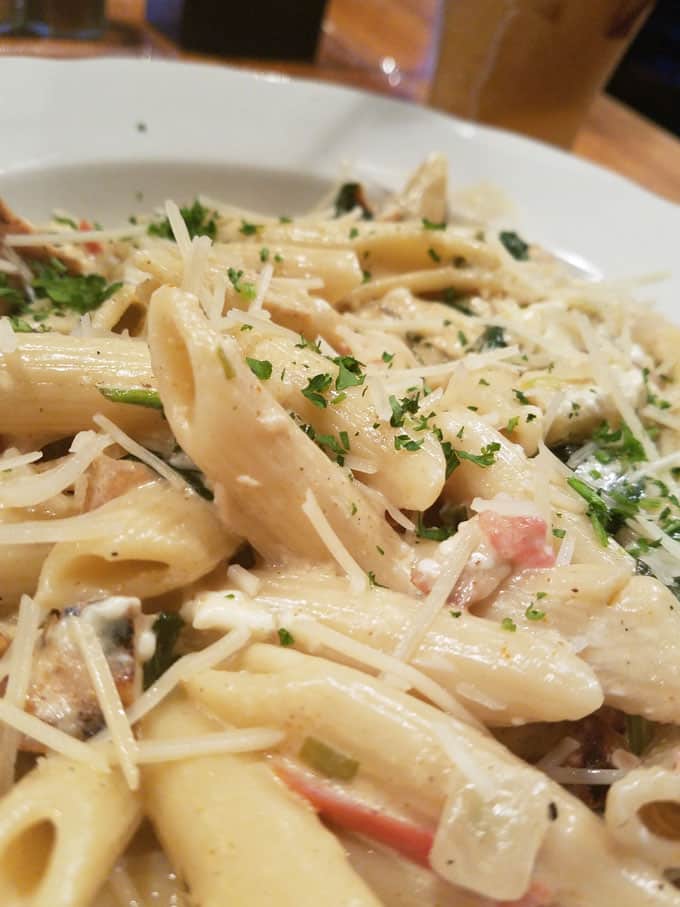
(532, 66)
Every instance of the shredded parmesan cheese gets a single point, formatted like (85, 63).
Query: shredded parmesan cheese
(243, 579)
(127, 443)
(108, 699)
(30, 490)
(458, 551)
(8, 339)
(262, 286)
(52, 738)
(71, 237)
(186, 667)
(607, 379)
(20, 668)
(310, 633)
(357, 577)
(244, 740)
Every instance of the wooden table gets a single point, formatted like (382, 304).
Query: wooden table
(389, 47)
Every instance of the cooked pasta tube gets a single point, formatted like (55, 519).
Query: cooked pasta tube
(439, 769)
(20, 567)
(409, 479)
(643, 808)
(601, 610)
(235, 833)
(210, 394)
(425, 194)
(399, 882)
(408, 247)
(433, 280)
(49, 386)
(491, 670)
(149, 540)
(62, 828)
(338, 269)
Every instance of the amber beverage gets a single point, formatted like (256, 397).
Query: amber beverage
(532, 66)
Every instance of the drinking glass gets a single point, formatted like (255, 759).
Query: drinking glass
(533, 66)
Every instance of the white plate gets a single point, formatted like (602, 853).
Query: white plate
(92, 135)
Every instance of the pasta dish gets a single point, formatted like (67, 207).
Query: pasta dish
(339, 563)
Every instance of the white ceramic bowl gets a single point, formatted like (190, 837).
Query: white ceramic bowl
(111, 137)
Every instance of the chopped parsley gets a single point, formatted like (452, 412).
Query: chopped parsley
(597, 512)
(243, 288)
(353, 233)
(286, 638)
(533, 613)
(512, 424)
(329, 444)
(366, 276)
(486, 457)
(316, 388)
(349, 197)
(79, 292)
(167, 628)
(618, 443)
(509, 624)
(199, 222)
(387, 357)
(491, 338)
(455, 613)
(349, 372)
(434, 255)
(261, 368)
(462, 339)
(559, 533)
(9, 293)
(136, 396)
(66, 221)
(456, 300)
(400, 408)
(521, 397)
(403, 442)
(264, 254)
(247, 229)
(433, 225)
(514, 244)
(433, 533)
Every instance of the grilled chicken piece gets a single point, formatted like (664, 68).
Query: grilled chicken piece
(108, 479)
(75, 262)
(60, 691)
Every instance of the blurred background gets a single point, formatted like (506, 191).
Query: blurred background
(599, 77)
(648, 77)
(394, 47)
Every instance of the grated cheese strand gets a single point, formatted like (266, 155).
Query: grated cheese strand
(607, 379)
(8, 339)
(75, 237)
(127, 443)
(20, 669)
(463, 545)
(357, 578)
(186, 667)
(52, 738)
(306, 630)
(108, 699)
(243, 740)
(263, 282)
(30, 490)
